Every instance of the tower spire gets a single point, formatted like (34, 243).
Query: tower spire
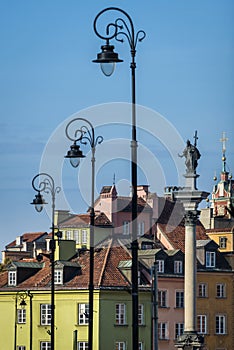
(223, 140)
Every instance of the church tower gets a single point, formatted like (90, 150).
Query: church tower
(223, 192)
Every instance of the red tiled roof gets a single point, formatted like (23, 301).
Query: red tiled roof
(176, 235)
(125, 204)
(28, 237)
(84, 219)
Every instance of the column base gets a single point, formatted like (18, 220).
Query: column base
(190, 341)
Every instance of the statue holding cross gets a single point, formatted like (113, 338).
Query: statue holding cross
(191, 154)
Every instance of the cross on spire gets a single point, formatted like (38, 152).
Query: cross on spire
(195, 138)
(223, 140)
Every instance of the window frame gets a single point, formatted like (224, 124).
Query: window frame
(21, 316)
(58, 276)
(220, 290)
(83, 314)
(120, 345)
(160, 265)
(82, 345)
(178, 267)
(162, 298)
(163, 331)
(222, 242)
(12, 278)
(222, 324)
(45, 315)
(179, 329)
(120, 314)
(47, 345)
(126, 227)
(202, 290)
(210, 259)
(84, 236)
(202, 324)
(179, 299)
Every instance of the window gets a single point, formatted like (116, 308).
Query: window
(210, 259)
(45, 316)
(84, 237)
(140, 314)
(141, 228)
(120, 314)
(21, 347)
(162, 298)
(83, 314)
(140, 347)
(162, 330)
(12, 278)
(160, 265)
(21, 316)
(58, 276)
(126, 229)
(83, 345)
(223, 242)
(179, 299)
(220, 290)
(76, 236)
(202, 290)
(178, 266)
(220, 324)
(69, 235)
(179, 329)
(202, 324)
(120, 345)
(45, 345)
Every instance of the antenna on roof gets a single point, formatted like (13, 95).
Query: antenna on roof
(114, 180)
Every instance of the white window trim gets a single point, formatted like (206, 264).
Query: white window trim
(222, 290)
(210, 259)
(58, 276)
(203, 287)
(45, 345)
(160, 266)
(84, 236)
(178, 266)
(202, 318)
(126, 227)
(224, 320)
(83, 314)
(21, 316)
(45, 314)
(120, 314)
(12, 278)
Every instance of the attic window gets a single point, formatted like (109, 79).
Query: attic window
(223, 242)
(210, 259)
(12, 278)
(58, 276)
(160, 265)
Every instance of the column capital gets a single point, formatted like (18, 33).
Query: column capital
(191, 217)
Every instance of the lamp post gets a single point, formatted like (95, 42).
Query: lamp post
(47, 185)
(119, 29)
(85, 134)
(22, 296)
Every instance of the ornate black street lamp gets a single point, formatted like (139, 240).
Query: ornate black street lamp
(22, 296)
(119, 29)
(47, 185)
(85, 134)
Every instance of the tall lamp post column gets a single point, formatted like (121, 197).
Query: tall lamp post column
(85, 134)
(118, 30)
(47, 185)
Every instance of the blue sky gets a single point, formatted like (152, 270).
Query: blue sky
(184, 72)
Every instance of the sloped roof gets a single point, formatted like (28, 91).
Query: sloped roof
(84, 220)
(125, 204)
(28, 237)
(176, 235)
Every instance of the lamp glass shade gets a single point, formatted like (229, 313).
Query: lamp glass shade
(38, 202)
(108, 68)
(74, 154)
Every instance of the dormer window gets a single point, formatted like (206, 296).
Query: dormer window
(12, 278)
(210, 259)
(178, 266)
(223, 242)
(160, 265)
(58, 276)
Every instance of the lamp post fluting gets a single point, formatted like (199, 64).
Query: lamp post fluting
(85, 134)
(122, 28)
(46, 184)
